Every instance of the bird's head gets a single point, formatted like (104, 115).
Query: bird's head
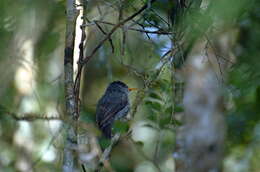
(119, 86)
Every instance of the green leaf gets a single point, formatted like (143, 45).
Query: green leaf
(155, 95)
(152, 117)
(104, 142)
(154, 106)
(179, 109)
(120, 127)
(165, 119)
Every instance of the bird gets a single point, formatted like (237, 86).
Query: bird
(113, 105)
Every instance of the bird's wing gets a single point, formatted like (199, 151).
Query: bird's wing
(108, 107)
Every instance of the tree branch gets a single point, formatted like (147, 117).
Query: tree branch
(106, 153)
(29, 116)
(86, 60)
(159, 32)
(33, 117)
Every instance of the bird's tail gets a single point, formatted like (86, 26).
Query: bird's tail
(106, 130)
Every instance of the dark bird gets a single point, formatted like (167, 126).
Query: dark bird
(113, 105)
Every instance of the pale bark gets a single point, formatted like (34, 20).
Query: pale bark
(200, 141)
(70, 154)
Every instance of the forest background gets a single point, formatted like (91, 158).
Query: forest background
(195, 64)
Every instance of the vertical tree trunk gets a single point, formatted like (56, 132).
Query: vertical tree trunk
(70, 154)
(200, 141)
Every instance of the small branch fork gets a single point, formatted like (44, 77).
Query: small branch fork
(108, 35)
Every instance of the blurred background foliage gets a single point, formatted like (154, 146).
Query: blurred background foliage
(31, 81)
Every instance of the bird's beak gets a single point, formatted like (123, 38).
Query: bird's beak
(132, 89)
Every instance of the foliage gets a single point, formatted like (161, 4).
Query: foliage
(244, 79)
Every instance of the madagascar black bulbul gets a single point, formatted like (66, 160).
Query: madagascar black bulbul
(113, 105)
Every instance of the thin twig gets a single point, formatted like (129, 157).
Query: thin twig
(104, 32)
(80, 66)
(215, 51)
(159, 31)
(29, 116)
(148, 82)
(83, 168)
(54, 137)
